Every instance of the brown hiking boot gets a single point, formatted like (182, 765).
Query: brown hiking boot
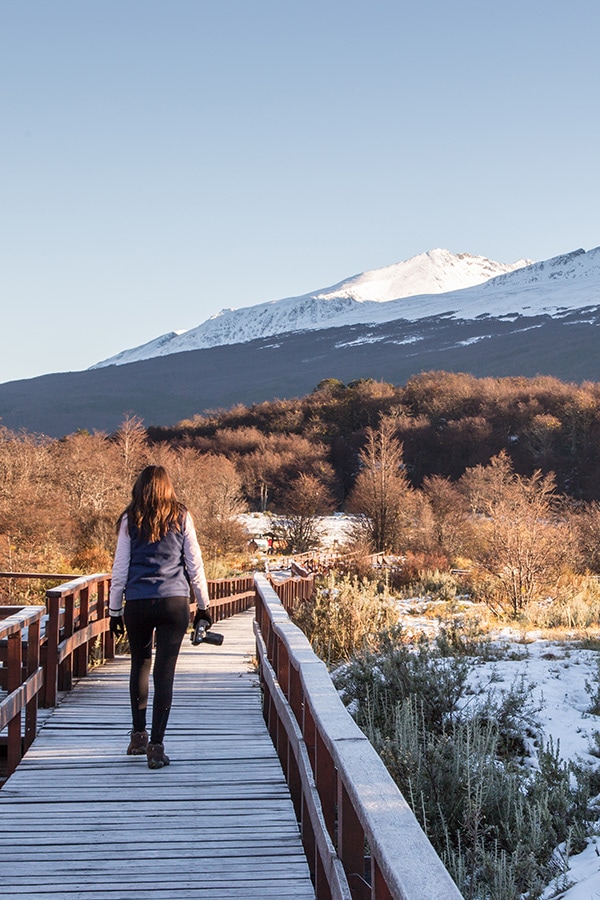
(157, 757)
(138, 743)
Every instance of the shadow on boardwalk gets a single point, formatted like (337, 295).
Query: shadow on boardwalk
(80, 819)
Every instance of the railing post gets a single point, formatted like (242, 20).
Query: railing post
(33, 663)
(296, 694)
(326, 782)
(108, 641)
(14, 661)
(271, 642)
(308, 733)
(52, 640)
(322, 889)
(309, 843)
(80, 663)
(317, 763)
(258, 611)
(351, 845)
(283, 668)
(65, 669)
(295, 699)
(379, 890)
(295, 783)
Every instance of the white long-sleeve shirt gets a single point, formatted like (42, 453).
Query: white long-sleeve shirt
(193, 564)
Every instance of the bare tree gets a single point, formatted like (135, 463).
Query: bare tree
(449, 523)
(525, 545)
(212, 489)
(36, 531)
(87, 469)
(586, 524)
(131, 440)
(306, 499)
(382, 495)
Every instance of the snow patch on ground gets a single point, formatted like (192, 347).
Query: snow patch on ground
(334, 530)
(556, 673)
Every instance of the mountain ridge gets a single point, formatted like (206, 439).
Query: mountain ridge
(351, 300)
(164, 390)
(542, 319)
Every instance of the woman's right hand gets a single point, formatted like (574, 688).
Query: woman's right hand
(205, 615)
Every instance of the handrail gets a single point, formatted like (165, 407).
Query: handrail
(293, 588)
(85, 618)
(226, 587)
(40, 576)
(229, 596)
(24, 680)
(77, 617)
(358, 800)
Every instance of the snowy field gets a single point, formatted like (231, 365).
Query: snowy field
(334, 530)
(555, 675)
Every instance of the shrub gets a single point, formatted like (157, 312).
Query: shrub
(465, 634)
(593, 689)
(344, 616)
(575, 604)
(460, 764)
(416, 565)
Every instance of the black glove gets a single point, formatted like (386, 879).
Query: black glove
(205, 615)
(117, 626)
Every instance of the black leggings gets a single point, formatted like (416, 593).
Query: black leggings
(170, 618)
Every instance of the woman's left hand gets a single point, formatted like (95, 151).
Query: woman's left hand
(117, 626)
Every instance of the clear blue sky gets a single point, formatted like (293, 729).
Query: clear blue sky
(162, 160)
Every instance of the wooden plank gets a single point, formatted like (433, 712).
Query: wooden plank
(35, 872)
(145, 850)
(197, 886)
(218, 823)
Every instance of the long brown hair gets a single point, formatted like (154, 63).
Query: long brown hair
(154, 508)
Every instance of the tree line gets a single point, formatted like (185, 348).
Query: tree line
(520, 539)
(446, 468)
(60, 499)
(446, 422)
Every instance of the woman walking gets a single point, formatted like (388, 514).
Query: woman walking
(156, 560)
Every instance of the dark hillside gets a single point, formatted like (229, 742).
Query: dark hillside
(446, 421)
(165, 390)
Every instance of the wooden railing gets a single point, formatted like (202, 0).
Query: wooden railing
(22, 678)
(77, 621)
(229, 596)
(293, 589)
(360, 837)
(37, 576)
(345, 800)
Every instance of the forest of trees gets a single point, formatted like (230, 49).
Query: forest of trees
(60, 499)
(447, 467)
(446, 422)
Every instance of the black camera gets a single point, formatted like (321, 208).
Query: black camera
(200, 635)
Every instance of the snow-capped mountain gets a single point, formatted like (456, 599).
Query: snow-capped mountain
(362, 298)
(538, 319)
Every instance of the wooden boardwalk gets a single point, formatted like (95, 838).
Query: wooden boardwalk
(80, 819)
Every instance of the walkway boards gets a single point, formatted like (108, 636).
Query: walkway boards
(80, 819)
